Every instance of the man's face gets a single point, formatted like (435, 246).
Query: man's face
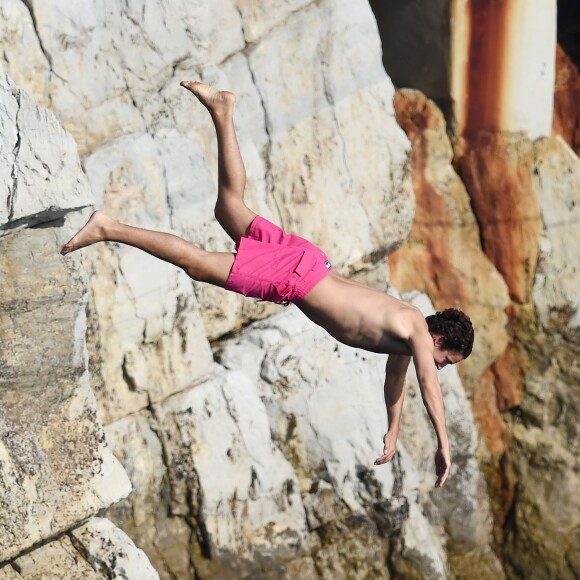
(442, 356)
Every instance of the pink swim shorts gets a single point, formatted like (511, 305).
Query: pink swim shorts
(275, 266)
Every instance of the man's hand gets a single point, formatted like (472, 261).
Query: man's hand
(389, 450)
(442, 466)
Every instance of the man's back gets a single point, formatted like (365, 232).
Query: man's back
(362, 317)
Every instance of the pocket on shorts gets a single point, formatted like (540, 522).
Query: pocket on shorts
(305, 264)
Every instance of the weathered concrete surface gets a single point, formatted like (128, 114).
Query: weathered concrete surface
(503, 66)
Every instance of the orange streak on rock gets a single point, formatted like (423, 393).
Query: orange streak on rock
(425, 262)
(497, 171)
(498, 469)
(487, 417)
(443, 258)
(509, 372)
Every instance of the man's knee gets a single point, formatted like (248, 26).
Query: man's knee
(219, 212)
(197, 266)
(210, 267)
(226, 209)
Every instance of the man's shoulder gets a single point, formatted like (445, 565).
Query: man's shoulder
(418, 331)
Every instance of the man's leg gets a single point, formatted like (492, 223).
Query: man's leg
(211, 267)
(230, 209)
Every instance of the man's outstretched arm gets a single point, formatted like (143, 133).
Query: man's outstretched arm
(422, 349)
(394, 396)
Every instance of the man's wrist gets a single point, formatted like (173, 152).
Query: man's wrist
(443, 443)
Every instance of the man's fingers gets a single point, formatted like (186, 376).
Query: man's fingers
(442, 477)
(384, 458)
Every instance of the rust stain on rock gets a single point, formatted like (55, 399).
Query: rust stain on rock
(443, 256)
(487, 416)
(497, 171)
(425, 262)
(497, 466)
(509, 371)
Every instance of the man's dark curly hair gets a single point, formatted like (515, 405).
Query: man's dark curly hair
(455, 328)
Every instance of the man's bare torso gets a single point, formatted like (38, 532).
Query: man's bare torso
(362, 317)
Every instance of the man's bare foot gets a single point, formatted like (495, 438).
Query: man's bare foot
(216, 102)
(92, 232)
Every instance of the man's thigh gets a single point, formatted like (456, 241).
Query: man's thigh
(213, 268)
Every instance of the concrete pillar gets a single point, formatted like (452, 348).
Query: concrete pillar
(503, 65)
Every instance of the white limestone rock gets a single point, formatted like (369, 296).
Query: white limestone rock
(338, 160)
(132, 48)
(56, 467)
(56, 560)
(111, 552)
(557, 186)
(95, 550)
(21, 52)
(7, 572)
(40, 174)
(260, 16)
(148, 332)
(316, 127)
(421, 554)
(145, 515)
(326, 411)
(318, 131)
(544, 438)
(226, 472)
(313, 387)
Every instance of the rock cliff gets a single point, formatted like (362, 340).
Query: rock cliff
(228, 438)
